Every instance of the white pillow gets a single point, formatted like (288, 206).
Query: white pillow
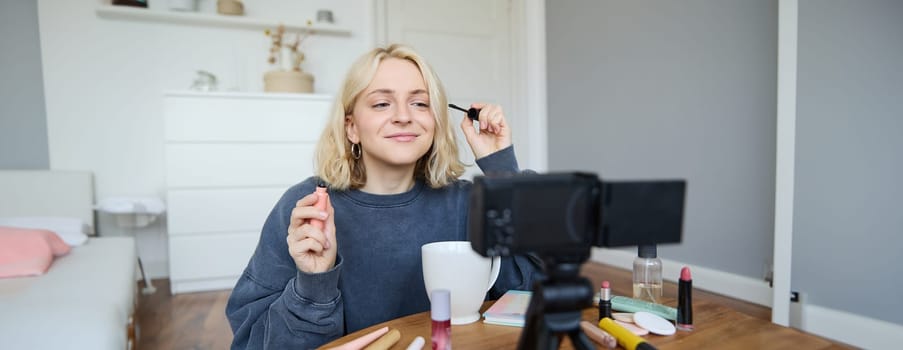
(71, 230)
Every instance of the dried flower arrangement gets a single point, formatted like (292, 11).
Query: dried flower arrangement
(287, 55)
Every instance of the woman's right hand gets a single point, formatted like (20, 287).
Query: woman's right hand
(494, 134)
(312, 249)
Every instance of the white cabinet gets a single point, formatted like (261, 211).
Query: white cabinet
(229, 157)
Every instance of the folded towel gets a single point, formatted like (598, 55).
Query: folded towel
(28, 252)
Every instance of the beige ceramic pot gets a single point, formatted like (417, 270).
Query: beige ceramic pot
(230, 7)
(288, 81)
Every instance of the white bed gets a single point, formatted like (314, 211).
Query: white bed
(86, 300)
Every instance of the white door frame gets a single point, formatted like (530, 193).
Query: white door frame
(785, 158)
(531, 37)
(380, 29)
(528, 94)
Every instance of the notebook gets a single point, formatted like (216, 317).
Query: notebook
(509, 310)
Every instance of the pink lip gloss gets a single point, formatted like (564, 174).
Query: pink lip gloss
(320, 204)
(440, 313)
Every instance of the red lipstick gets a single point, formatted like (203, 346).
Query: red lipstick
(684, 300)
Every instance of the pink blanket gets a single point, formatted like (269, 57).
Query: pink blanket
(28, 252)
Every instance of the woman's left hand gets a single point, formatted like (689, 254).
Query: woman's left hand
(494, 134)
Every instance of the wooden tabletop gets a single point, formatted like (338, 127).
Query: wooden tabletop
(716, 327)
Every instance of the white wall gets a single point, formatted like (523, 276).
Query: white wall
(104, 78)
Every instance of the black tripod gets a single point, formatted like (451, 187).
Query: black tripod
(555, 307)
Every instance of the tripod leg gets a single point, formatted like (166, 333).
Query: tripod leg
(580, 341)
(535, 334)
(556, 344)
(554, 311)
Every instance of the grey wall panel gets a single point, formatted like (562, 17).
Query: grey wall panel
(661, 89)
(848, 217)
(23, 122)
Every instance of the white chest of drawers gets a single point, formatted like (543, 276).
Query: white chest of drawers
(229, 157)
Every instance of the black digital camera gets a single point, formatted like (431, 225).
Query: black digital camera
(563, 215)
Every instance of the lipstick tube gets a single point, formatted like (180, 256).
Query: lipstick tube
(604, 301)
(320, 204)
(684, 320)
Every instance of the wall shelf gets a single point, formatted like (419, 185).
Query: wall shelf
(248, 95)
(211, 19)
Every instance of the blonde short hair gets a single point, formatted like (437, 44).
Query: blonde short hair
(439, 167)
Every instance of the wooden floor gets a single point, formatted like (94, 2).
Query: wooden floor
(198, 320)
(183, 321)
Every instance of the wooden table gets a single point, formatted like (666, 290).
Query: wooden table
(716, 327)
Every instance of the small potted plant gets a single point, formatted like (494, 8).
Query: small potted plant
(286, 58)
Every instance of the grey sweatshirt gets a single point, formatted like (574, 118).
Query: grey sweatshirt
(377, 275)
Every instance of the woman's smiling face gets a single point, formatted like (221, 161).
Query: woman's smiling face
(392, 119)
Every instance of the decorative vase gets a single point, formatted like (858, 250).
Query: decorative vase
(288, 81)
(285, 58)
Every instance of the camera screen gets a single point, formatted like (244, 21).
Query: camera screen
(566, 214)
(554, 214)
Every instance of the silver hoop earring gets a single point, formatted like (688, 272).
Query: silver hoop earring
(356, 150)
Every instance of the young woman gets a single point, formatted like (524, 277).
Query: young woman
(390, 160)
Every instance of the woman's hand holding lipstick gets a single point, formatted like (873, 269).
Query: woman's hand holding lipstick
(311, 234)
(494, 134)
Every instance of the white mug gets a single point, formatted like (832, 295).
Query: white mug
(455, 266)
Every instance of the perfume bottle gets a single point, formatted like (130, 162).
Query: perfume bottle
(647, 274)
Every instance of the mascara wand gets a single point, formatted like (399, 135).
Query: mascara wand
(472, 113)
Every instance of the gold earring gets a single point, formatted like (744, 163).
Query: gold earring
(356, 152)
